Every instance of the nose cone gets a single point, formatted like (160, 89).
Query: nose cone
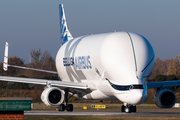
(143, 54)
(133, 97)
(137, 97)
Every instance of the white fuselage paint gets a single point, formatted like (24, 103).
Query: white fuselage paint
(123, 58)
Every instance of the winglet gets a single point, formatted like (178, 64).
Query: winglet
(64, 32)
(5, 64)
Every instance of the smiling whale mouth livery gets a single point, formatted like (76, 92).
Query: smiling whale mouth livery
(109, 66)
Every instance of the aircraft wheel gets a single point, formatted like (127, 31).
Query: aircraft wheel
(61, 107)
(122, 108)
(133, 108)
(127, 109)
(69, 107)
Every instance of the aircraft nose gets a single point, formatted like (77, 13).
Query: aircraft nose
(137, 97)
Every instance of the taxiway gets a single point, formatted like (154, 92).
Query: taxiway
(141, 112)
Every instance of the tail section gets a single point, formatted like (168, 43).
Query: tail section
(65, 34)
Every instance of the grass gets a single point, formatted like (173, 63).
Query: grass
(101, 118)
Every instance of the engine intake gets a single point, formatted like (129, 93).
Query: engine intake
(165, 98)
(52, 96)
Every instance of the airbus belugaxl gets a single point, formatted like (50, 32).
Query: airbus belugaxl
(106, 66)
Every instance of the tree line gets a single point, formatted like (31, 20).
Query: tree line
(168, 69)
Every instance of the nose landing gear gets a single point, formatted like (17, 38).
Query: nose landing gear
(128, 108)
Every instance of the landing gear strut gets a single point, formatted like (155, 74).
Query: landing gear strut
(68, 107)
(128, 108)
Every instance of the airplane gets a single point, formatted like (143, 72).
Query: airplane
(108, 66)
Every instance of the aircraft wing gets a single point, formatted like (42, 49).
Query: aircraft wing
(72, 85)
(40, 70)
(163, 84)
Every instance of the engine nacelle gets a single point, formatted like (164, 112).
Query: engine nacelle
(165, 98)
(52, 96)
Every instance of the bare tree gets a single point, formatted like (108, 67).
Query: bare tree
(174, 66)
(160, 68)
(41, 61)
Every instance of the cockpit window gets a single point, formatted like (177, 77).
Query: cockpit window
(138, 87)
(126, 87)
(118, 87)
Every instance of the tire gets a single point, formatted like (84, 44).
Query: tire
(69, 107)
(127, 109)
(122, 108)
(133, 108)
(61, 107)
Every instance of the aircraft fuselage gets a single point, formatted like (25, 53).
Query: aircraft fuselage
(118, 64)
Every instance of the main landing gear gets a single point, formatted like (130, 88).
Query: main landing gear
(128, 108)
(66, 106)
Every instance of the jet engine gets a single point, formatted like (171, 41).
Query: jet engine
(165, 98)
(52, 96)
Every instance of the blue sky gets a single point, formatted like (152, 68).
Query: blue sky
(34, 24)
